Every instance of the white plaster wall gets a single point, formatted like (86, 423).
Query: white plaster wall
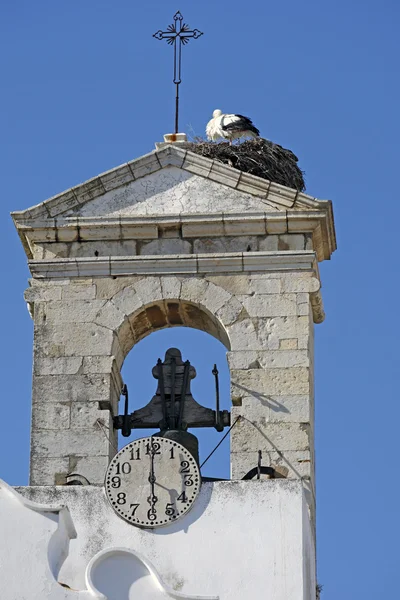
(241, 540)
(170, 191)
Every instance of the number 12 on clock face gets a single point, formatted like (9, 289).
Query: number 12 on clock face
(152, 482)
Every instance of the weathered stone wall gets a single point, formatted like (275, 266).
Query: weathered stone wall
(85, 327)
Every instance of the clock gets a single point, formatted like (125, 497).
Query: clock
(152, 482)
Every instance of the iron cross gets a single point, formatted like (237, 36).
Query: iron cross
(177, 34)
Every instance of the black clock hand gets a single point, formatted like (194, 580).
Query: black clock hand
(152, 499)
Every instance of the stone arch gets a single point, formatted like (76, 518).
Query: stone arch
(153, 303)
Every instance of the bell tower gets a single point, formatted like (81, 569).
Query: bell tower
(174, 238)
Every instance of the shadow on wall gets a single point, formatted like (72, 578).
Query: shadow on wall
(122, 574)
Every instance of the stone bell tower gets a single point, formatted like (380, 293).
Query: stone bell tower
(173, 238)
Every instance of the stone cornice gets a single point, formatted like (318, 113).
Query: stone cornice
(69, 229)
(227, 262)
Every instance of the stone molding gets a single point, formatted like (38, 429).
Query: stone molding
(226, 262)
(70, 229)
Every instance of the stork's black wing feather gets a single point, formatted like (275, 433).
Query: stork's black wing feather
(242, 124)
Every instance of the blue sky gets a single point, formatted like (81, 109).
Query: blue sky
(85, 87)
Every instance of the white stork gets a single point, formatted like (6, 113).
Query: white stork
(230, 127)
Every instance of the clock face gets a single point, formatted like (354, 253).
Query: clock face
(152, 482)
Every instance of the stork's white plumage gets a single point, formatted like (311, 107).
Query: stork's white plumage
(230, 127)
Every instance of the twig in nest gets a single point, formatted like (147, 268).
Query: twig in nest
(259, 157)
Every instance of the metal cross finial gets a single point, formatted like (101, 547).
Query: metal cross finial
(177, 33)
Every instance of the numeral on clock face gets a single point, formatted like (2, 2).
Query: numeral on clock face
(152, 482)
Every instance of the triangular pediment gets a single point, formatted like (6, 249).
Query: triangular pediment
(170, 191)
(171, 181)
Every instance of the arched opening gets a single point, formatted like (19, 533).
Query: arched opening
(203, 351)
(166, 314)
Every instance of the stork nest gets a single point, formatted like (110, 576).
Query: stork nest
(258, 157)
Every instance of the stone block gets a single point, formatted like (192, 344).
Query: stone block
(303, 310)
(51, 250)
(277, 408)
(264, 285)
(234, 284)
(194, 230)
(225, 244)
(290, 344)
(81, 291)
(116, 178)
(72, 388)
(298, 463)
(271, 330)
(269, 437)
(215, 297)
(171, 287)
(109, 316)
(271, 305)
(196, 164)
(42, 293)
(73, 311)
(91, 467)
(55, 415)
(149, 289)
(224, 174)
(128, 301)
(238, 226)
(78, 339)
(48, 471)
(276, 223)
(302, 298)
(84, 415)
(229, 312)
(60, 203)
(281, 195)
(63, 365)
(193, 289)
(103, 248)
(88, 190)
(282, 359)
(54, 444)
(145, 165)
(243, 336)
(107, 287)
(250, 184)
(289, 381)
(97, 364)
(291, 241)
(165, 246)
(272, 359)
(242, 359)
(303, 342)
(300, 284)
(269, 243)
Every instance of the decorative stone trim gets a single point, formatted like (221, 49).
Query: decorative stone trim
(173, 264)
(72, 229)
